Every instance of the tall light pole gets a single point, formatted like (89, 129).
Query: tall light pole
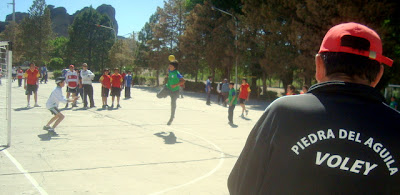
(115, 32)
(13, 16)
(236, 39)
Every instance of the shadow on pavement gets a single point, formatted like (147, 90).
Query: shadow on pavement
(234, 126)
(245, 118)
(62, 109)
(47, 136)
(168, 139)
(23, 108)
(3, 148)
(79, 109)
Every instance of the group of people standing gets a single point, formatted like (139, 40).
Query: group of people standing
(80, 83)
(227, 95)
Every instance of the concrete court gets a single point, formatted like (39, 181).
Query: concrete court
(122, 151)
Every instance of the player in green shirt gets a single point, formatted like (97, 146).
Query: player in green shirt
(232, 101)
(174, 81)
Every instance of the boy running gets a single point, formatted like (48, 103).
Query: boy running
(244, 96)
(52, 104)
(232, 101)
(116, 83)
(105, 81)
(31, 83)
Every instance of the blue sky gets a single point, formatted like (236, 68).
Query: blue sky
(130, 14)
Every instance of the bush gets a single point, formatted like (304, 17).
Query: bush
(144, 80)
(270, 95)
(56, 64)
(97, 76)
(56, 74)
(195, 86)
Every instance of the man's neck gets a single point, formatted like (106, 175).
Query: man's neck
(345, 78)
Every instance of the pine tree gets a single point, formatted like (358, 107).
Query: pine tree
(36, 33)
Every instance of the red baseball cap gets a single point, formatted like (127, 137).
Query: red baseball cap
(332, 41)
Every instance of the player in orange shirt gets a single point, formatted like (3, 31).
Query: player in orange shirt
(116, 82)
(31, 83)
(105, 81)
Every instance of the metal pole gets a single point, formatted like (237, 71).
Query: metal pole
(236, 55)
(236, 39)
(9, 81)
(13, 16)
(13, 10)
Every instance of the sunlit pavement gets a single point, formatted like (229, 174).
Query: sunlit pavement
(129, 150)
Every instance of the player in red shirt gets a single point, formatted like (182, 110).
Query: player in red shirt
(105, 81)
(20, 76)
(244, 95)
(31, 83)
(116, 82)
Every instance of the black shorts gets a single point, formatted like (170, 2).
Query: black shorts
(104, 92)
(115, 91)
(14, 75)
(54, 111)
(241, 101)
(30, 89)
(74, 90)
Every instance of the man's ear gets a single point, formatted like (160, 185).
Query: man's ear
(378, 77)
(320, 71)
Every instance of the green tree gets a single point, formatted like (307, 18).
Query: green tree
(36, 33)
(122, 54)
(88, 42)
(12, 33)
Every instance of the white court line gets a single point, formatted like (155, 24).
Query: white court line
(27, 175)
(221, 161)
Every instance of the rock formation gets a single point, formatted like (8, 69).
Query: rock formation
(61, 19)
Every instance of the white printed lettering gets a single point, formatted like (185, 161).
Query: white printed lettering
(387, 159)
(369, 142)
(342, 134)
(393, 171)
(332, 158)
(357, 166)
(383, 154)
(336, 161)
(389, 163)
(343, 166)
(358, 138)
(368, 167)
(313, 138)
(301, 146)
(330, 134)
(318, 160)
(305, 142)
(377, 147)
(321, 135)
(295, 149)
(352, 135)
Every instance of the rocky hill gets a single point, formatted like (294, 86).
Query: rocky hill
(61, 19)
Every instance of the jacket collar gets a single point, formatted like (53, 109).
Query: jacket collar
(344, 88)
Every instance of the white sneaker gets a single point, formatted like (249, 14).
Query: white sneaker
(37, 105)
(28, 106)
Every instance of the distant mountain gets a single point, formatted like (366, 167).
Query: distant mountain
(61, 19)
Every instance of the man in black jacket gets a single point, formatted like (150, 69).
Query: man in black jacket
(339, 138)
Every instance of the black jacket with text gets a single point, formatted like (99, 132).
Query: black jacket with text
(339, 138)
